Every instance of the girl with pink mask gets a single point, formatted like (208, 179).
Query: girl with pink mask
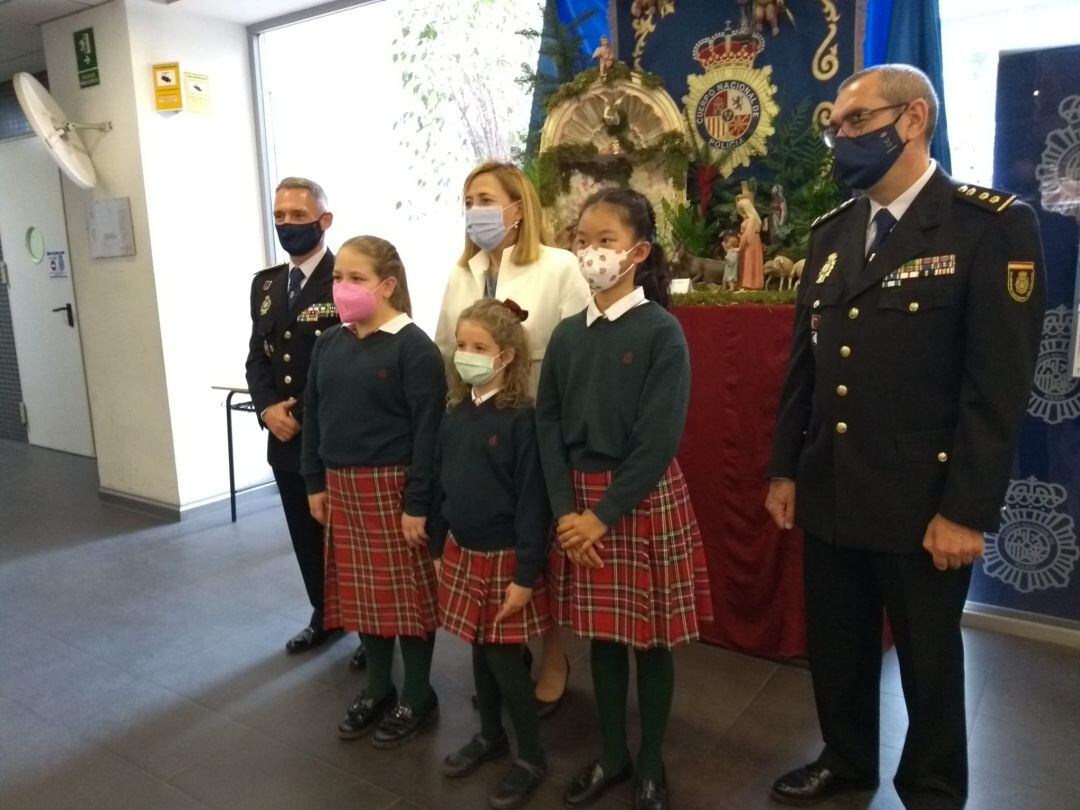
(375, 395)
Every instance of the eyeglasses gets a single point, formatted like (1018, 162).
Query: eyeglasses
(854, 123)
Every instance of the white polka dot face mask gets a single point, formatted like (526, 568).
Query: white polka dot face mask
(601, 267)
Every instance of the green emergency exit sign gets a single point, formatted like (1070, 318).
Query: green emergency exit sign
(86, 58)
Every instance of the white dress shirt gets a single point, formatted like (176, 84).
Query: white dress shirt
(307, 267)
(484, 398)
(900, 205)
(634, 298)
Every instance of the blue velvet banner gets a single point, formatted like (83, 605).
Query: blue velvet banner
(809, 57)
(909, 31)
(1033, 562)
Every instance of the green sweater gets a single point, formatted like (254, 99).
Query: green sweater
(489, 489)
(613, 397)
(374, 402)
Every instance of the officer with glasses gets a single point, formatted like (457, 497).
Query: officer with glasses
(916, 335)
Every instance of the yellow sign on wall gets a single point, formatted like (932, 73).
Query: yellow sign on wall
(168, 92)
(197, 90)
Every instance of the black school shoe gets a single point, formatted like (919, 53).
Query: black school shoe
(814, 783)
(364, 714)
(592, 783)
(402, 723)
(651, 795)
(518, 785)
(474, 754)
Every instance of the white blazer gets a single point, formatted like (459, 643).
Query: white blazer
(550, 289)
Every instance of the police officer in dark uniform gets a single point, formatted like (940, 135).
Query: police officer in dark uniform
(291, 305)
(916, 335)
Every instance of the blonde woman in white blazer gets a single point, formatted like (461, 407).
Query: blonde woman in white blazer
(543, 280)
(505, 257)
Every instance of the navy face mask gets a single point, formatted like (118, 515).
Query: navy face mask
(862, 161)
(297, 240)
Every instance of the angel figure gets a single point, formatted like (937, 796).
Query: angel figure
(605, 54)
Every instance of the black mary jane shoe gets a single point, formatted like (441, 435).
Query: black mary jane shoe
(402, 723)
(546, 708)
(365, 714)
(359, 658)
(814, 784)
(473, 754)
(592, 783)
(651, 795)
(518, 785)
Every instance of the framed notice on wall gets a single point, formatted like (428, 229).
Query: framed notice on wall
(109, 225)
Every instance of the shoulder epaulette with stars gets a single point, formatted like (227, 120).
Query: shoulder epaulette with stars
(988, 198)
(270, 269)
(830, 214)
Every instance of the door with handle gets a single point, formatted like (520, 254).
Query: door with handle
(34, 238)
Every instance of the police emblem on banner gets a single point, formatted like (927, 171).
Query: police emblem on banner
(1059, 170)
(1035, 548)
(1055, 396)
(731, 106)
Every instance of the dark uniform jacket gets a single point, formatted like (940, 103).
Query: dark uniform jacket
(909, 377)
(281, 342)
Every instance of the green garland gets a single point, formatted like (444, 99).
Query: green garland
(710, 295)
(581, 83)
(552, 170)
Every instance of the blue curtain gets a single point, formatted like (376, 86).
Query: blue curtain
(591, 29)
(909, 31)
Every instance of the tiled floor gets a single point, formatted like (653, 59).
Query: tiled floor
(141, 666)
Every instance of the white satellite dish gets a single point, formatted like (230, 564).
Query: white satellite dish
(57, 133)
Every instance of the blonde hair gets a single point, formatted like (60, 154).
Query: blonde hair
(387, 262)
(503, 323)
(519, 188)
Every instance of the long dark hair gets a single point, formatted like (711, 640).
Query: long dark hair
(654, 274)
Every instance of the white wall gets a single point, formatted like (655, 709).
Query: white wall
(163, 326)
(201, 172)
(116, 298)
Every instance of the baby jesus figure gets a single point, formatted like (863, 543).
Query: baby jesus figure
(606, 56)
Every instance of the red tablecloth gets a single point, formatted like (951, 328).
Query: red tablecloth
(739, 355)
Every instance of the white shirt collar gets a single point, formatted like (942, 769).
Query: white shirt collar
(307, 267)
(482, 399)
(395, 325)
(900, 205)
(634, 298)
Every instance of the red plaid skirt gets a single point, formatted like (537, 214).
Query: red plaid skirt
(376, 583)
(654, 588)
(472, 588)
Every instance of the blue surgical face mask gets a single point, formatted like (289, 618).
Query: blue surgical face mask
(298, 240)
(485, 226)
(475, 369)
(862, 161)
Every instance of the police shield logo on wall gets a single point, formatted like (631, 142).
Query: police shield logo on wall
(731, 105)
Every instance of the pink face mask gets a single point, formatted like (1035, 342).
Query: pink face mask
(354, 302)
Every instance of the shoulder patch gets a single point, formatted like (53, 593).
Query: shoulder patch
(271, 269)
(988, 198)
(830, 214)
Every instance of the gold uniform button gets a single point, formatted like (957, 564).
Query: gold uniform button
(288, 380)
(845, 351)
(853, 313)
(318, 332)
(288, 335)
(817, 303)
(286, 358)
(913, 306)
(942, 457)
(841, 427)
(841, 390)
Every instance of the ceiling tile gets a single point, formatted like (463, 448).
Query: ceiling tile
(36, 12)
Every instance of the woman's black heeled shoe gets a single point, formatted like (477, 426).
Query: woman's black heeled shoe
(548, 707)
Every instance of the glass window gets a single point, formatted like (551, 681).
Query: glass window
(388, 105)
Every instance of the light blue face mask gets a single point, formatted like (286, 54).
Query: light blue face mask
(475, 369)
(485, 226)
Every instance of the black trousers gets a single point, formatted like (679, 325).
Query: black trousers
(847, 591)
(306, 534)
